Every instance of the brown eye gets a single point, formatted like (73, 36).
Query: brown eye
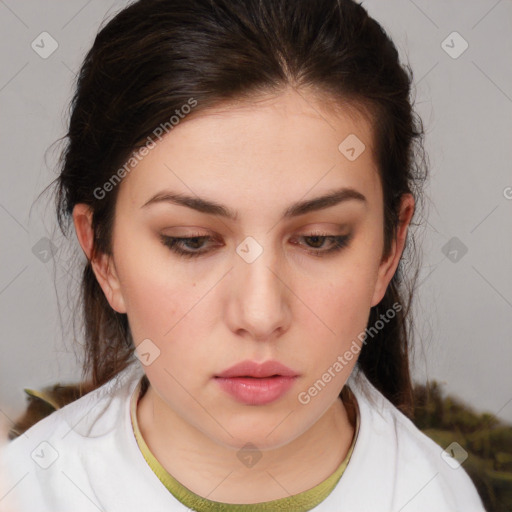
(316, 242)
(186, 246)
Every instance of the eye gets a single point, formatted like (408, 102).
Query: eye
(317, 240)
(193, 246)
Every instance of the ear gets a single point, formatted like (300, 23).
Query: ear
(389, 265)
(102, 264)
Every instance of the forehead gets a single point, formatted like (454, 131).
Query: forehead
(274, 146)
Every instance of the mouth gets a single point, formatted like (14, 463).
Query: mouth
(250, 377)
(256, 390)
(253, 369)
(252, 383)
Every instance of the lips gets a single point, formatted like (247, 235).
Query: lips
(258, 370)
(253, 383)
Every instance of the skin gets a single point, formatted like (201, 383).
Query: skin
(207, 313)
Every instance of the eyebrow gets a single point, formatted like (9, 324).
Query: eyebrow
(300, 208)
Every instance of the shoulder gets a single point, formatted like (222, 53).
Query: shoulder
(423, 476)
(63, 441)
(90, 416)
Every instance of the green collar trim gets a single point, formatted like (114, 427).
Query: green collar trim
(301, 502)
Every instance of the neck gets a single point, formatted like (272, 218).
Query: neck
(213, 471)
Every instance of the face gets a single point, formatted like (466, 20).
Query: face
(273, 280)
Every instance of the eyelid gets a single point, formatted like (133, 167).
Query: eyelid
(340, 230)
(338, 243)
(330, 228)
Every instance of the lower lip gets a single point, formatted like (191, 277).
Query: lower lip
(253, 391)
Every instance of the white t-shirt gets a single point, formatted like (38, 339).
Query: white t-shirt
(85, 458)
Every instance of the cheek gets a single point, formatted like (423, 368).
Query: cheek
(154, 295)
(168, 307)
(158, 307)
(343, 304)
(341, 310)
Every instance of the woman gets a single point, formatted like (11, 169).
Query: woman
(241, 177)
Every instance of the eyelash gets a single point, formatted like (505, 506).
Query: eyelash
(339, 242)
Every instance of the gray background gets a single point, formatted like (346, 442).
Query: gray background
(464, 307)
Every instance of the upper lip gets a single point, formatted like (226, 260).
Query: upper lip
(258, 370)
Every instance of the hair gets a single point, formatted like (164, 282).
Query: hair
(152, 57)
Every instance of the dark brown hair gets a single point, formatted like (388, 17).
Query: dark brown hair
(153, 56)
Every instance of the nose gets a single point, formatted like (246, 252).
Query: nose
(259, 300)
